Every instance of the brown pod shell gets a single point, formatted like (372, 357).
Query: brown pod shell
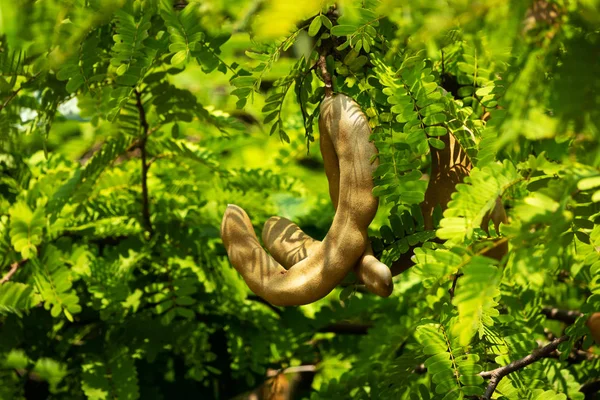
(287, 243)
(316, 275)
(449, 167)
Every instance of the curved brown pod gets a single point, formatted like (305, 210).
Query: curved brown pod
(287, 243)
(449, 167)
(376, 276)
(315, 276)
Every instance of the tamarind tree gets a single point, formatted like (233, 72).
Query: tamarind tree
(444, 242)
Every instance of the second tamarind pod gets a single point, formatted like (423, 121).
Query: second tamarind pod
(593, 323)
(449, 167)
(288, 244)
(316, 275)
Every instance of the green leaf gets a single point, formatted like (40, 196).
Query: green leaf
(315, 25)
(113, 375)
(435, 130)
(258, 56)
(122, 69)
(177, 47)
(326, 21)
(473, 201)
(54, 283)
(343, 30)
(179, 57)
(437, 143)
(26, 228)
(589, 183)
(271, 117)
(16, 298)
(243, 81)
(434, 119)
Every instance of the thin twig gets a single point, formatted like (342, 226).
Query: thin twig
(14, 94)
(453, 288)
(13, 269)
(145, 166)
(9, 99)
(497, 374)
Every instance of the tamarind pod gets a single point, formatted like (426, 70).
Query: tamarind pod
(376, 276)
(593, 323)
(288, 244)
(315, 276)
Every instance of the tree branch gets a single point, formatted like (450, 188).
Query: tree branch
(142, 146)
(497, 374)
(10, 98)
(565, 316)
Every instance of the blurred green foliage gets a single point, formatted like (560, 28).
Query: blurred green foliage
(127, 126)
